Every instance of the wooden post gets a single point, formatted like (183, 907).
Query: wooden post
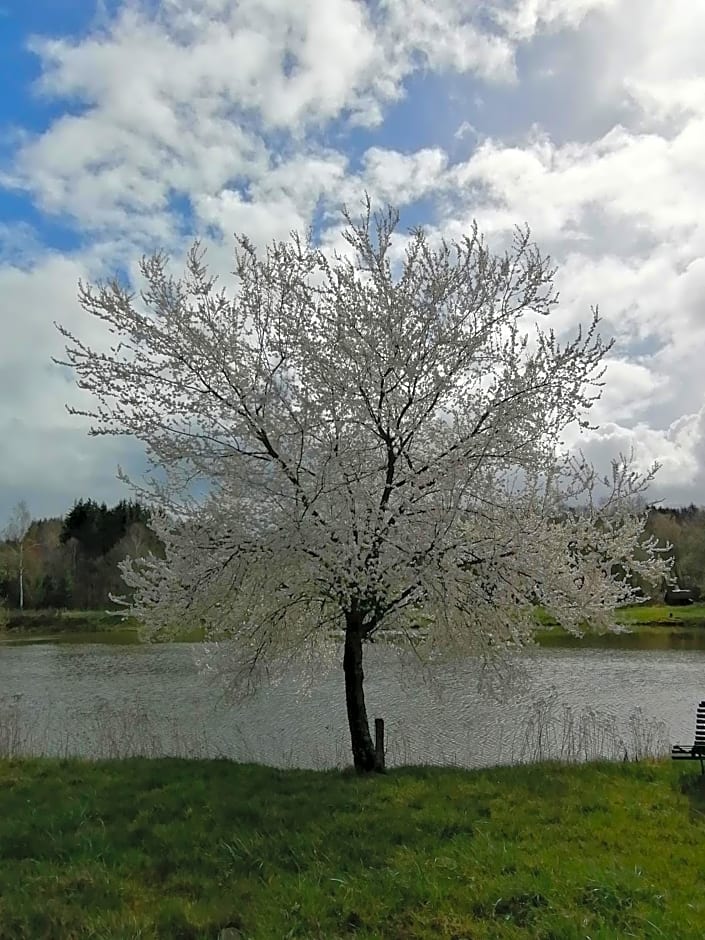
(379, 745)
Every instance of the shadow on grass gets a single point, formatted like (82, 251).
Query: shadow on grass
(692, 785)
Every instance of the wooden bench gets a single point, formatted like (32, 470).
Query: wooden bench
(697, 751)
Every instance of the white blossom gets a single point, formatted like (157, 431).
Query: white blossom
(380, 450)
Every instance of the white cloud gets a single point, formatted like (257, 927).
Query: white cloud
(464, 129)
(630, 390)
(523, 19)
(445, 35)
(238, 110)
(32, 299)
(679, 449)
(188, 101)
(635, 179)
(47, 457)
(283, 61)
(403, 178)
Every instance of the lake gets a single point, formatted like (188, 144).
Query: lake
(113, 699)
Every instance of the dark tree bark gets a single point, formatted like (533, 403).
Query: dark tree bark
(362, 745)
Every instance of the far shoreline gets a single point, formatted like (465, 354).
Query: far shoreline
(637, 621)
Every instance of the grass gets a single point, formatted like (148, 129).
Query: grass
(60, 621)
(652, 625)
(662, 614)
(646, 615)
(640, 620)
(78, 624)
(183, 848)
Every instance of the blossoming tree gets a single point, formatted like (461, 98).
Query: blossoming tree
(380, 444)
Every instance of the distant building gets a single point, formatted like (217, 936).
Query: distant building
(677, 596)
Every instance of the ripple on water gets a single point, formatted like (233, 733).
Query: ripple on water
(91, 698)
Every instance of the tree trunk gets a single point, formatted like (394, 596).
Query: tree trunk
(362, 747)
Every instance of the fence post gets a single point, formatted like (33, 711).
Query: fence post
(379, 745)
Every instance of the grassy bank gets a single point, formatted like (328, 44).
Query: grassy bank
(66, 621)
(646, 625)
(662, 615)
(657, 626)
(77, 624)
(181, 849)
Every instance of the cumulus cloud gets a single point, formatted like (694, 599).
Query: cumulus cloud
(207, 117)
(47, 458)
(523, 19)
(190, 98)
(678, 449)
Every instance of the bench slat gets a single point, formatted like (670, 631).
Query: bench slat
(695, 751)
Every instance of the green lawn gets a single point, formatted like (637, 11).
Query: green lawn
(642, 619)
(180, 849)
(78, 624)
(83, 621)
(662, 614)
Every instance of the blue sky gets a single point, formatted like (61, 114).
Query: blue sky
(127, 127)
(24, 110)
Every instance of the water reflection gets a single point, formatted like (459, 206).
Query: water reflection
(126, 637)
(690, 637)
(687, 638)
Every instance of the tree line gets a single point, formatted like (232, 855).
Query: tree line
(71, 562)
(684, 529)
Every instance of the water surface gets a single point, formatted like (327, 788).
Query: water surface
(100, 699)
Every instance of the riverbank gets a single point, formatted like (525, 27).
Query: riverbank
(642, 626)
(177, 848)
(66, 621)
(648, 625)
(77, 626)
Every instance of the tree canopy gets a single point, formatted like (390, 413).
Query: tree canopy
(380, 443)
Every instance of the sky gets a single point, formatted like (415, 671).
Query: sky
(131, 127)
